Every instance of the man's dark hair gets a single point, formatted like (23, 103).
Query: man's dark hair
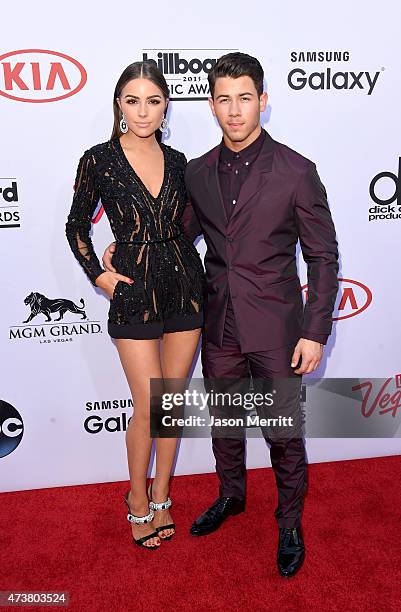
(235, 65)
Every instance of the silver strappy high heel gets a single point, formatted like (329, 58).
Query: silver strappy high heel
(164, 505)
(140, 520)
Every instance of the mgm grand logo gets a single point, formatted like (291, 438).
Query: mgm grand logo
(185, 70)
(51, 330)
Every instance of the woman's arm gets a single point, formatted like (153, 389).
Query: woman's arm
(79, 221)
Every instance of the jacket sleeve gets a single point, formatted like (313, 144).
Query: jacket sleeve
(78, 226)
(320, 251)
(189, 220)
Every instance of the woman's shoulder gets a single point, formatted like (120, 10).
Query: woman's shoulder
(175, 156)
(100, 150)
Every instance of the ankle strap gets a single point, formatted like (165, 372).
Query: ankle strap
(160, 506)
(140, 519)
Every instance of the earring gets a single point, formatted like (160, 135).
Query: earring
(164, 126)
(123, 125)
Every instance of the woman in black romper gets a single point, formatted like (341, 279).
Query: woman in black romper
(157, 291)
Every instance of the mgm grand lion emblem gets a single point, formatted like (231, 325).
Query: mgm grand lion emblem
(40, 304)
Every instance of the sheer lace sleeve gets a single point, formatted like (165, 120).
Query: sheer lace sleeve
(86, 197)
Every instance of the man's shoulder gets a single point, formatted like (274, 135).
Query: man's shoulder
(197, 163)
(292, 160)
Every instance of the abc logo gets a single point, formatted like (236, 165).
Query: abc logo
(11, 428)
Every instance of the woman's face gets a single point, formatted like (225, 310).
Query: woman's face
(143, 105)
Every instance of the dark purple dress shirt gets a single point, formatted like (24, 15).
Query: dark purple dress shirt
(234, 168)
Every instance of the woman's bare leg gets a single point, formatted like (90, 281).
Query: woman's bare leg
(141, 361)
(177, 353)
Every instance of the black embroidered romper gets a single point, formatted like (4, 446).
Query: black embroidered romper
(151, 248)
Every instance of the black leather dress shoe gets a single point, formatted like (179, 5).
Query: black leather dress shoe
(211, 520)
(291, 551)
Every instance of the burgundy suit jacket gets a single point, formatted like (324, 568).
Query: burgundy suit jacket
(252, 254)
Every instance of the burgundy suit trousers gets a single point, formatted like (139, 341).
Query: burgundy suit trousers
(288, 454)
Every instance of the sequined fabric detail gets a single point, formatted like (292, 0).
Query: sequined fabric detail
(168, 276)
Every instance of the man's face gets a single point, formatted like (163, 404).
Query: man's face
(237, 107)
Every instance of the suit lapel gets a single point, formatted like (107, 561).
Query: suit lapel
(213, 184)
(258, 176)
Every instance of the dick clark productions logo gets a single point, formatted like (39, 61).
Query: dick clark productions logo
(11, 428)
(386, 207)
(40, 75)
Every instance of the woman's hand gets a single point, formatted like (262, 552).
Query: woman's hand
(107, 257)
(108, 281)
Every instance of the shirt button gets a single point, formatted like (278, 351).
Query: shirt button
(228, 164)
(236, 172)
(246, 163)
(234, 201)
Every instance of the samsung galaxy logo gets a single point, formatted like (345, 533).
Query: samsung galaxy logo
(319, 56)
(330, 77)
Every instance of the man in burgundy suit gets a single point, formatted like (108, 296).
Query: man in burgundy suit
(253, 198)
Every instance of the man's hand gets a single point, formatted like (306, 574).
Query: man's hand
(107, 255)
(311, 353)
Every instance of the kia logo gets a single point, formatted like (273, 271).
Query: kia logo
(353, 298)
(39, 75)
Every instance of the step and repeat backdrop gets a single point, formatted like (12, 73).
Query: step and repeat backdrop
(334, 83)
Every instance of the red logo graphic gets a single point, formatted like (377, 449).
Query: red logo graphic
(387, 402)
(352, 299)
(40, 75)
(98, 214)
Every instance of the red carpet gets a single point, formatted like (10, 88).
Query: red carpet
(78, 539)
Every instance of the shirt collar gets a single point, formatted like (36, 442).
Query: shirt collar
(248, 154)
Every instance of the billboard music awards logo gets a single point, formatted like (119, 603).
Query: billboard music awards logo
(11, 428)
(100, 420)
(9, 204)
(353, 298)
(40, 75)
(386, 208)
(185, 70)
(330, 77)
(48, 330)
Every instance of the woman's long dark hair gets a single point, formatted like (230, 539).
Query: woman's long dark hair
(137, 70)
